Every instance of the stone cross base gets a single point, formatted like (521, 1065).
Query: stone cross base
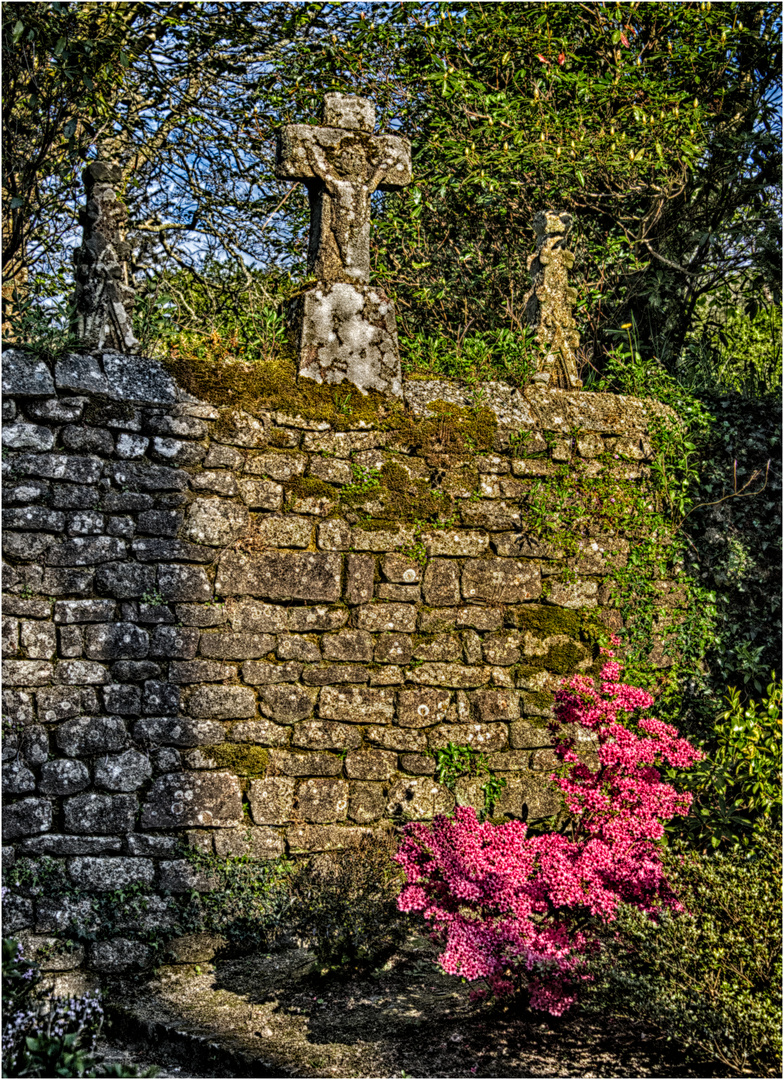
(349, 334)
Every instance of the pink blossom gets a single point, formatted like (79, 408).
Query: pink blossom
(505, 906)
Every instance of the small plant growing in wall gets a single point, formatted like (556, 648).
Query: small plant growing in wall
(456, 761)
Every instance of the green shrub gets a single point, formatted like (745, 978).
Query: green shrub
(249, 903)
(737, 787)
(709, 978)
(345, 904)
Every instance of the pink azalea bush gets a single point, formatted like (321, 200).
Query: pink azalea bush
(517, 910)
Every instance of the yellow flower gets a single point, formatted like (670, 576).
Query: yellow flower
(625, 326)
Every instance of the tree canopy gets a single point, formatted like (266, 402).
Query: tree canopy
(656, 124)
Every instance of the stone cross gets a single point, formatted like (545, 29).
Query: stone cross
(348, 330)
(104, 298)
(548, 304)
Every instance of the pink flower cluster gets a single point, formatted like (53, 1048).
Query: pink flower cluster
(517, 910)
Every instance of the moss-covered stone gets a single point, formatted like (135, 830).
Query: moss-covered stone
(241, 760)
(225, 378)
(309, 487)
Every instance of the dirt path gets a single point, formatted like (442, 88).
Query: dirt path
(271, 1016)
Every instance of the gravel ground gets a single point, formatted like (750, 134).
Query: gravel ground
(273, 1016)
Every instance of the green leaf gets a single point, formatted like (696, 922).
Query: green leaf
(18, 31)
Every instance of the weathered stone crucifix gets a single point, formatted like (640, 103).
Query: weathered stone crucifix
(104, 295)
(348, 329)
(548, 305)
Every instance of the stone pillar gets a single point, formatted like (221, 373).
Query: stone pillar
(104, 297)
(548, 305)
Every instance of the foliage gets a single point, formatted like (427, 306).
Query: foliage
(454, 761)
(249, 900)
(655, 124)
(520, 911)
(737, 785)
(710, 976)
(344, 904)
(733, 351)
(475, 359)
(45, 1035)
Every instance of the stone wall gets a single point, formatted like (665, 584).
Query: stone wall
(233, 631)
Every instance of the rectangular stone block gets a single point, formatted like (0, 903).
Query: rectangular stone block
(335, 673)
(279, 464)
(422, 708)
(27, 672)
(183, 583)
(235, 646)
(84, 611)
(322, 800)
(286, 763)
(84, 735)
(81, 672)
(334, 535)
(284, 531)
(261, 494)
(392, 539)
(357, 705)
(106, 874)
(252, 616)
(496, 704)
(371, 764)
(455, 542)
(354, 645)
(360, 571)
(379, 617)
(197, 671)
(500, 581)
(178, 800)
(457, 675)
(325, 735)
(394, 738)
(261, 673)
(272, 800)
(478, 736)
(222, 702)
(100, 814)
(177, 731)
(260, 732)
(248, 841)
(281, 575)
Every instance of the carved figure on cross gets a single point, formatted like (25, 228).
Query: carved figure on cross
(342, 163)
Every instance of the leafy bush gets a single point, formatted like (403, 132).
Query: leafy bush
(710, 976)
(737, 788)
(249, 903)
(520, 911)
(47, 1035)
(345, 904)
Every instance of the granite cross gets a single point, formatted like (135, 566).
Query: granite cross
(347, 329)
(342, 164)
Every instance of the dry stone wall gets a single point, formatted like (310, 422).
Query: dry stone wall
(213, 634)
